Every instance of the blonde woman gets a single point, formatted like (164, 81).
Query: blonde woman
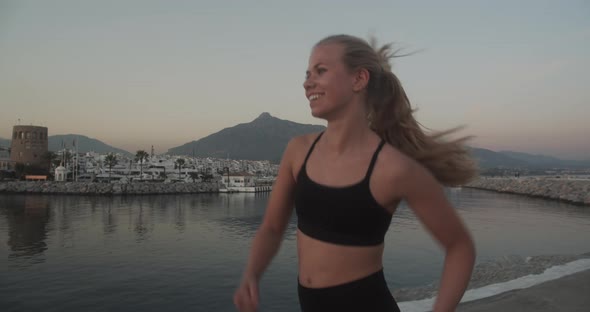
(346, 182)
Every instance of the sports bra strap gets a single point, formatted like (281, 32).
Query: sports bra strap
(311, 148)
(374, 159)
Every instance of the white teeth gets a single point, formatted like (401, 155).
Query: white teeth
(315, 96)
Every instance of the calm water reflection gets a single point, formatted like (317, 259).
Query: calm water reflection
(186, 252)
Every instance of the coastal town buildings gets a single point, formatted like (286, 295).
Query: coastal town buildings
(92, 166)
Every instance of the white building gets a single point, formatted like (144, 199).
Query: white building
(239, 179)
(60, 173)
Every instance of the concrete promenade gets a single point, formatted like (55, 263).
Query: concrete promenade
(570, 293)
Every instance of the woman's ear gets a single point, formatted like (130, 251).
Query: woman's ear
(361, 79)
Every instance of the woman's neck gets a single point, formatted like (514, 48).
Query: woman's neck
(347, 133)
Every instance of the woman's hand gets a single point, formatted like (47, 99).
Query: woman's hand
(246, 296)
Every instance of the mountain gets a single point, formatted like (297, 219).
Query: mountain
(85, 144)
(264, 138)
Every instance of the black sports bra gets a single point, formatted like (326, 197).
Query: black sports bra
(341, 215)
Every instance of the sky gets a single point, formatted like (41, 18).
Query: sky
(139, 73)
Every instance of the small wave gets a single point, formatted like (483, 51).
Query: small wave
(552, 267)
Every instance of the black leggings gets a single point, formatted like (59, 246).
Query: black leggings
(369, 293)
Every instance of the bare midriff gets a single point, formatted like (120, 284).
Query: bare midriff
(324, 264)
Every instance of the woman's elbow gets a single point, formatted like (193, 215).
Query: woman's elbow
(269, 229)
(465, 247)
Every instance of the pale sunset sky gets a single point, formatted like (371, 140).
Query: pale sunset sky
(139, 73)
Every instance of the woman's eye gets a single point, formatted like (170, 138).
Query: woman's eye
(321, 70)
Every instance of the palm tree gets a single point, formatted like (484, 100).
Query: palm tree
(141, 156)
(110, 161)
(179, 162)
(194, 176)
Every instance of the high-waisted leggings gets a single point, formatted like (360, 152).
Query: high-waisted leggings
(369, 293)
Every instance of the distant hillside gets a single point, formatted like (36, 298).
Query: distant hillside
(265, 138)
(546, 161)
(490, 159)
(507, 159)
(85, 144)
(5, 143)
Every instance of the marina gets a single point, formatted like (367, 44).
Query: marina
(187, 251)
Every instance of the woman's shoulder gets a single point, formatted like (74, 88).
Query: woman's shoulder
(302, 142)
(297, 148)
(394, 167)
(395, 160)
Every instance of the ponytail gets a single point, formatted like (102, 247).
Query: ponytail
(390, 115)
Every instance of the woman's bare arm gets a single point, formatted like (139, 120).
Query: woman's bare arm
(426, 198)
(276, 217)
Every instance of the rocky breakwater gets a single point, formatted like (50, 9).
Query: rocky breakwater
(568, 190)
(89, 188)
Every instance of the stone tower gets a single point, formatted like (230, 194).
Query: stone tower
(28, 145)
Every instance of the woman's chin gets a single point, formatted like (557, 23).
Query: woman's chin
(317, 111)
(323, 113)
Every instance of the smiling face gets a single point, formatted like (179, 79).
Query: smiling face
(328, 82)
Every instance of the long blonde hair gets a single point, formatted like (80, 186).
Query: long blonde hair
(390, 114)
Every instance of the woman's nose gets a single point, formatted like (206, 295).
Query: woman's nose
(307, 84)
